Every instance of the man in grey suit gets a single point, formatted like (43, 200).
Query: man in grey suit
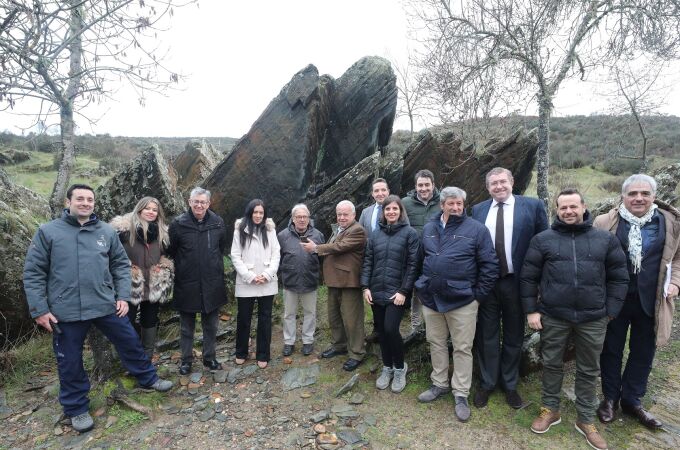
(371, 215)
(512, 221)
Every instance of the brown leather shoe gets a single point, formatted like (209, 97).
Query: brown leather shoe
(643, 416)
(593, 437)
(607, 410)
(545, 420)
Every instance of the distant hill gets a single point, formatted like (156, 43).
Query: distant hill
(577, 141)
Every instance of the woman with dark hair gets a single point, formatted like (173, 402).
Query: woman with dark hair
(387, 277)
(144, 235)
(255, 254)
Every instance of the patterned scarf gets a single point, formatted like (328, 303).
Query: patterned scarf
(635, 234)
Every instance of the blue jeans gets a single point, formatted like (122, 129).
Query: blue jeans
(74, 384)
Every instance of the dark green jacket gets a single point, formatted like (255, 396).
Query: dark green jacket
(418, 212)
(76, 272)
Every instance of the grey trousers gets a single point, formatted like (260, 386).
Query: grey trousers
(346, 319)
(290, 306)
(187, 326)
(588, 341)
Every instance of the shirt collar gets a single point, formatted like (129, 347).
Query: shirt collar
(510, 201)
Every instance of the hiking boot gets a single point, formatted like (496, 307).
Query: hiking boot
(160, 385)
(462, 408)
(307, 349)
(185, 368)
(593, 437)
(288, 349)
(149, 340)
(432, 394)
(545, 420)
(481, 398)
(399, 380)
(385, 377)
(82, 422)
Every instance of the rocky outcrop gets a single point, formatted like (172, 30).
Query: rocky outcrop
(148, 174)
(21, 212)
(8, 157)
(456, 165)
(194, 164)
(307, 138)
(667, 179)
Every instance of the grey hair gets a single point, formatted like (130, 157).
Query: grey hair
(498, 171)
(638, 178)
(299, 206)
(199, 191)
(451, 192)
(346, 203)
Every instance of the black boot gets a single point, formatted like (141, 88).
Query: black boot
(149, 340)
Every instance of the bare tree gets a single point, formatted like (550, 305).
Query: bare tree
(522, 50)
(67, 54)
(638, 95)
(411, 89)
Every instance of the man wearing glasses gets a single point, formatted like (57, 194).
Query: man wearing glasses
(197, 242)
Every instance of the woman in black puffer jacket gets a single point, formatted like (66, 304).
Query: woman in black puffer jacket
(387, 277)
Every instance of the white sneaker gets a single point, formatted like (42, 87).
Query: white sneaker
(399, 380)
(385, 377)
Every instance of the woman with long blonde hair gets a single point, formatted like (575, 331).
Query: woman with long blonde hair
(144, 235)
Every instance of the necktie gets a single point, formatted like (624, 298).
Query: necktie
(500, 240)
(378, 209)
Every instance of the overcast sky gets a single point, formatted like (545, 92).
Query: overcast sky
(239, 54)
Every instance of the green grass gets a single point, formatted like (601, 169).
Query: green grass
(24, 361)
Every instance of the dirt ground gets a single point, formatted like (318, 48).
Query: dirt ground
(251, 409)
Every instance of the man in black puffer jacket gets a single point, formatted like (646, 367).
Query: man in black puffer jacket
(581, 275)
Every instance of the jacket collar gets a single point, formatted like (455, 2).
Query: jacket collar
(72, 220)
(562, 227)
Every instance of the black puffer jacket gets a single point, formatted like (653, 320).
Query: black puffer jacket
(580, 272)
(390, 262)
(197, 250)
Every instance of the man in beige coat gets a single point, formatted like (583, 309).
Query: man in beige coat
(649, 232)
(341, 267)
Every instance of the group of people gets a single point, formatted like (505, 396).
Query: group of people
(475, 279)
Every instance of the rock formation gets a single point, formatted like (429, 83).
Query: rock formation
(148, 174)
(194, 164)
(8, 157)
(308, 136)
(667, 179)
(21, 211)
(454, 165)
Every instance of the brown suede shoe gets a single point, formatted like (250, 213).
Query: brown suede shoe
(545, 420)
(593, 437)
(606, 412)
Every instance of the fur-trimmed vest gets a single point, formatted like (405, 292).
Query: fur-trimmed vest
(152, 273)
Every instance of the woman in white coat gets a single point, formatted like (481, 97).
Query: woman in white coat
(255, 253)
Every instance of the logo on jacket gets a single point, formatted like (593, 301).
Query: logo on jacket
(101, 241)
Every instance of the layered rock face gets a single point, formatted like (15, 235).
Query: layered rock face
(307, 138)
(148, 174)
(194, 164)
(21, 212)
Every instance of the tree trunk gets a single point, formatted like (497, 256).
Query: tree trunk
(543, 159)
(66, 110)
(103, 355)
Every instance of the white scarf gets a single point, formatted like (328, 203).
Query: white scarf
(635, 234)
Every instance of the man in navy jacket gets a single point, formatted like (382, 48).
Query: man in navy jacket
(459, 270)
(512, 221)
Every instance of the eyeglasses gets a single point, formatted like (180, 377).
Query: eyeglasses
(301, 217)
(200, 202)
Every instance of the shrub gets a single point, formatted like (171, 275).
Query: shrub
(622, 166)
(613, 186)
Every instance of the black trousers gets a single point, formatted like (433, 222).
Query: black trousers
(187, 326)
(632, 385)
(387, 319)
(148, 314)
(499, 357)
(264, 326)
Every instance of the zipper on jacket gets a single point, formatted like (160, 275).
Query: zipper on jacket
(573, 248)
(208, 238)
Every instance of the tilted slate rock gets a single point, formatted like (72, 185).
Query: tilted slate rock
(667, 179)
(455, 165)
(307, 137)
(21, 212)
(147, 175)
(194, 164)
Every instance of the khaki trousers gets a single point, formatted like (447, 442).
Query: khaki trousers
(460, 324)
(346, 319)
(290, 306)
